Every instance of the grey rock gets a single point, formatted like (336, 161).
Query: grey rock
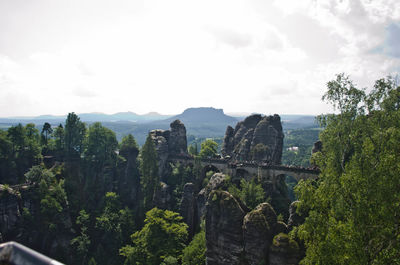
(280, 227)
(257, 237)
(317, 147)
(217, 181)
(258, 138)
(177, 143)
(224, 237)
(160, 139)
(228, 145)
(284, 251)
(162, 197)
(294, 218)
(188, 208)
(10, 212)
(169, 142)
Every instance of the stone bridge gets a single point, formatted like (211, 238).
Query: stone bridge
(248, 170)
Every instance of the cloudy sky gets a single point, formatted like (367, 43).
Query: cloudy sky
(155, 55)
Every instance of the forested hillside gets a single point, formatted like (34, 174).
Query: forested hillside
(75, 193)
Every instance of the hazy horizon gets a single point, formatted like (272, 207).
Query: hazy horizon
(233, 114)
(247, 56)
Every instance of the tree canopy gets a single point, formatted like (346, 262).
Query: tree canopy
(354, 206)
(163, 235)
(208, 149)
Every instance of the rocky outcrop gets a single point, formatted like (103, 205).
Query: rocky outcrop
(177, 143)
(224, 237)
(169, 142)
(228, 144)
(217, 181)
(129, 181)
(257, 232)
(235, 235)
(294, 218)
(160, 139)
(284, 251)
(317, 147)
(162, 197)
(257, 138)
(10, 210)
(188, 208)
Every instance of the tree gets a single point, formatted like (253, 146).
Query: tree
(150, 180)
(25, 150)
(100, 146)
(192, 149)
(46, 132)
(208, 149)
(160, 226)
(251, 193)
(353, 207)
(81, 243)
(128, 146)
(6, 157)
(75, 131)
(59, 136)
(195, 252)
(113, 227)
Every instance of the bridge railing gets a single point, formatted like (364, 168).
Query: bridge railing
(13, 253)
(252, 164)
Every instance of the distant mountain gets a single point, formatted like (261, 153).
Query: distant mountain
(199, 122)
(203, 115)
(298, 121)
(90, 117)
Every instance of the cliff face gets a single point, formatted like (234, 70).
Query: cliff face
(169, 142)
(224, 236)
(257, 138)
(10, 211)
(236, 235)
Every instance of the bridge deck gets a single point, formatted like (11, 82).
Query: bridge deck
(248, 164)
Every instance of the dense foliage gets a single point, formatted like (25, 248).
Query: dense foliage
(209, 149)
(354, 206)
(84, 194)
(250, 192)
(195, 252)
(163, 235)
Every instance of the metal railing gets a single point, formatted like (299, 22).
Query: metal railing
(13, 253)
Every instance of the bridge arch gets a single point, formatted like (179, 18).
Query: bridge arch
(243, 173)
(208, 168)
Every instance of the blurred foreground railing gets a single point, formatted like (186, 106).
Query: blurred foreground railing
(13, 253)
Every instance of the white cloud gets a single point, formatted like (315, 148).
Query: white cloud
(249, 56)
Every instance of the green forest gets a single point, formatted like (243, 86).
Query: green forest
(94, 195)
(89, 199)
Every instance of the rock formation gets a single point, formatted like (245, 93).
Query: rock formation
(284, 251)
(294, 218)
(257, 232)
(169, 142)
(257, 138)
(224, 237)
(162, 198)
(177, 143)
(188, 208)
(317, 147)
(235, 235)
(217, 181)
(10, 213)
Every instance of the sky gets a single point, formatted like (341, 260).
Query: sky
(247, 56)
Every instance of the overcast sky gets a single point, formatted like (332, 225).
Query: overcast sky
(243, 56)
